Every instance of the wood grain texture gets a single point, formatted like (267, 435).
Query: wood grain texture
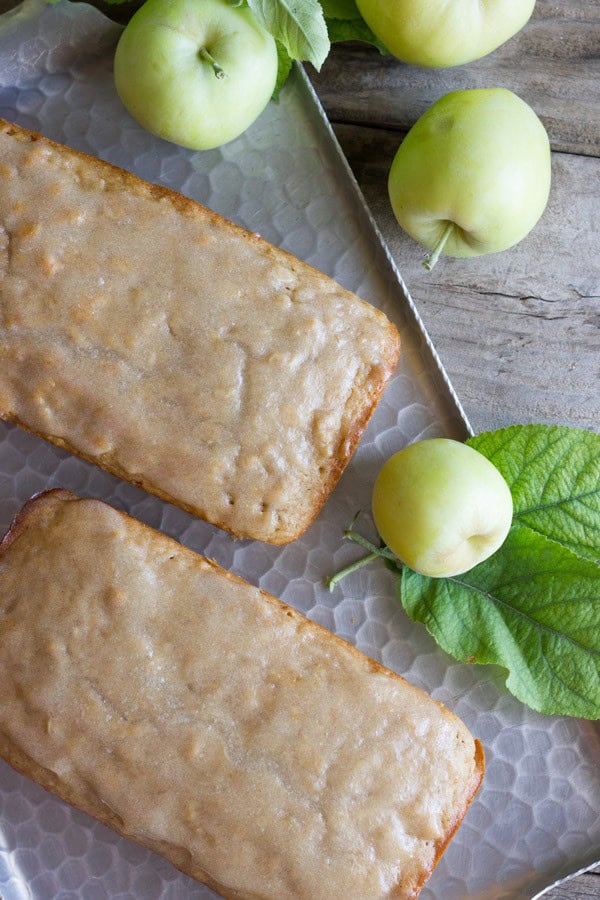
(553, 64)
(585, 887)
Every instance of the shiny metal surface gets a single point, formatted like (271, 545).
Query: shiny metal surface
(538, 814)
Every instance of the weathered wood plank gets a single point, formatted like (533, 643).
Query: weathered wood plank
(519, 331)
(553, 64)
(585, 887)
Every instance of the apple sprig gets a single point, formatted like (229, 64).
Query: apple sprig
(533, 607)
(305, 29)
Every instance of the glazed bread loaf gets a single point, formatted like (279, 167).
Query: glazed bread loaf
(212, 723)
(151, 336)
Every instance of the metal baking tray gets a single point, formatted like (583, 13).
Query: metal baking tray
(537, 815)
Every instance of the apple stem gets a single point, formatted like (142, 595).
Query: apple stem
(384, 552)
(205, 56)
(431, 258)
(374, 553)
(334, 579)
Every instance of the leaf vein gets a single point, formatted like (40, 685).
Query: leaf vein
(564, 501)
(533, 622)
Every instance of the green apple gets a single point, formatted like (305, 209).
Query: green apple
(195, 72)
(441, 33)
(441, 507)
(472, 175)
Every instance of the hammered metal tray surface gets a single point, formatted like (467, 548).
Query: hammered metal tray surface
(537, 816)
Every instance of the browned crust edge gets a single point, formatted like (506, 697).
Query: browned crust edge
(374, 384)
(178, 856)
(349, 442)
(113, 468)
(441, 846)
(28, 516)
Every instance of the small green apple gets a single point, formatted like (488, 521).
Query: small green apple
(195, 72)
(441, 507)
(441, 33)
(472, 175)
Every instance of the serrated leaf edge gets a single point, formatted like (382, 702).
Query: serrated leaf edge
(314, 56)
(562, 431)
(439, 640)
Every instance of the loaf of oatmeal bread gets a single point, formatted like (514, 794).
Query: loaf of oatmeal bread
(210, 722)
(151, 336)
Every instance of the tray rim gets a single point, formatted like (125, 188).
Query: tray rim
(453, 396)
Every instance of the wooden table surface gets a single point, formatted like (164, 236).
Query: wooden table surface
(518, 332)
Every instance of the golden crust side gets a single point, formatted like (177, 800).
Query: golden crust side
(113, 468)
(36, 512)
(349, 442)
(346, 449)
(360, 407)
(30, 514)
(178, 856)
(442, 845)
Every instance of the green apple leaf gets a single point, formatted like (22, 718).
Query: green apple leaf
(340, 9)
(533, 608)
(353, 30)
(554, 475)
(345, 23)
(298, 24)
(284, 67)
